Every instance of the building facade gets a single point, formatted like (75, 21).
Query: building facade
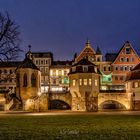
(79, 83)
(59, 80)
(43, 60)
(84, 85)
(125, 61)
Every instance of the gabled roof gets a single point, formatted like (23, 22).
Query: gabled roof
(83, 62)
(127, 43)
(88, 49)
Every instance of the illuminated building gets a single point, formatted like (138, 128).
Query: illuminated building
(133, 87)
(84, 85)
(8, 76)
(43, 61)
(59, 80)
(126, 59)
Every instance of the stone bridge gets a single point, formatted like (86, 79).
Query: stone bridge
(65, 97)
(120, 99)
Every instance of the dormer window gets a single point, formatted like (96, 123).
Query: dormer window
(85, 68)
(95, 69)
(73, 69)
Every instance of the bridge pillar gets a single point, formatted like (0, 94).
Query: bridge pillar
(78, 104)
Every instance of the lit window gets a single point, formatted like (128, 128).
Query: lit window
(95, 69)
(59, 72)
(136, 84)
(65, 72)
(80, 82)
(73, 82)
(56, 72)
(85, 82)
(90, 82)
(96, 82)
(62, 72)
(85, 68)
(51, 72)
(73, 69)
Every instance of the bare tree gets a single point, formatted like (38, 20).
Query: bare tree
(9, 38)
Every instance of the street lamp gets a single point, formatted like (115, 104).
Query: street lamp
(39, 94)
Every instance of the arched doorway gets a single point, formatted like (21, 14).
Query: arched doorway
(111, 104)
(59, 105)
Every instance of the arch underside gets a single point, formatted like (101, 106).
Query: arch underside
(112, 104)
(59, 105)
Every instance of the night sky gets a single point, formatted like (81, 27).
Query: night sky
(63, 26)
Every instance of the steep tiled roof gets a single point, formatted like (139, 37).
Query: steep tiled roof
(110, 56)
(84, 61)
(28, 63)
(79, 67)
(134, 74)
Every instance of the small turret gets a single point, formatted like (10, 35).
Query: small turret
(29, 54)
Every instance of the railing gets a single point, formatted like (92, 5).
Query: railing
(8, 105)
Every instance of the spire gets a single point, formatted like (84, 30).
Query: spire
(98, 51)
(29, 46)
(88, 43)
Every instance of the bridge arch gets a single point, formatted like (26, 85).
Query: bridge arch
(118, 100)
(62, 99)
(59, 104)
(111, 104)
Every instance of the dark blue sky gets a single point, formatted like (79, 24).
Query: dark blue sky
(62, 26)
